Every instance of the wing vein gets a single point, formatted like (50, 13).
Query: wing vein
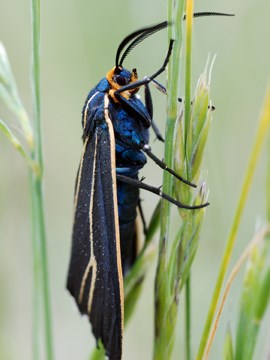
(92, 261)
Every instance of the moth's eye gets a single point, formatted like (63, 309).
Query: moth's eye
(121, 80)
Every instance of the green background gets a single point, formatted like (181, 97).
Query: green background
(78, 44)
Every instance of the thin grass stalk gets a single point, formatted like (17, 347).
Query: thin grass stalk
(263, 128)
(161, 346)
(36, 318)
(40, 268)
(189, 23)
(189, 20)
(267, 185)
(188, 319)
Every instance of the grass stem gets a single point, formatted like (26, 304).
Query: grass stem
(188, 320)
(189, 20)
(40, 267)
(162, 347)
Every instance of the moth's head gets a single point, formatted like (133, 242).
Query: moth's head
(119, 76)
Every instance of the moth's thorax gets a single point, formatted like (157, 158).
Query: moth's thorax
(119, 77)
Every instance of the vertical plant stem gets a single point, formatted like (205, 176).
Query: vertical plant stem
(188, 320)
(38, 222)
(161, 284)
(36, 276)
(189, 22)
(189, 19)
(263, 129)
(267, 187)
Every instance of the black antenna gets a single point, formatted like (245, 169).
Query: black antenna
(208, 13)
(139, 35)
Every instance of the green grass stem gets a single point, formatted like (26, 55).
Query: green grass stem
(188, 319)
(161, 346)
(263, 128)
(188, 63)
(40, 267)
(267, 185)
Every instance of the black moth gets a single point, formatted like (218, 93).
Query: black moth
(104, 241)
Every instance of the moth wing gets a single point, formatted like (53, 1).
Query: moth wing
(95, 273)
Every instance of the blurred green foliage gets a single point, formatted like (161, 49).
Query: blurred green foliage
(254, 302)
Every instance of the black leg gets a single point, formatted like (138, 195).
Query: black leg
(162, 88)
(157, 191)
(160, 163)
(148, 100)
(149, 107)
(157, 132)
(142, 217)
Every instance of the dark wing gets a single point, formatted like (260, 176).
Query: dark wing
(95, 272)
